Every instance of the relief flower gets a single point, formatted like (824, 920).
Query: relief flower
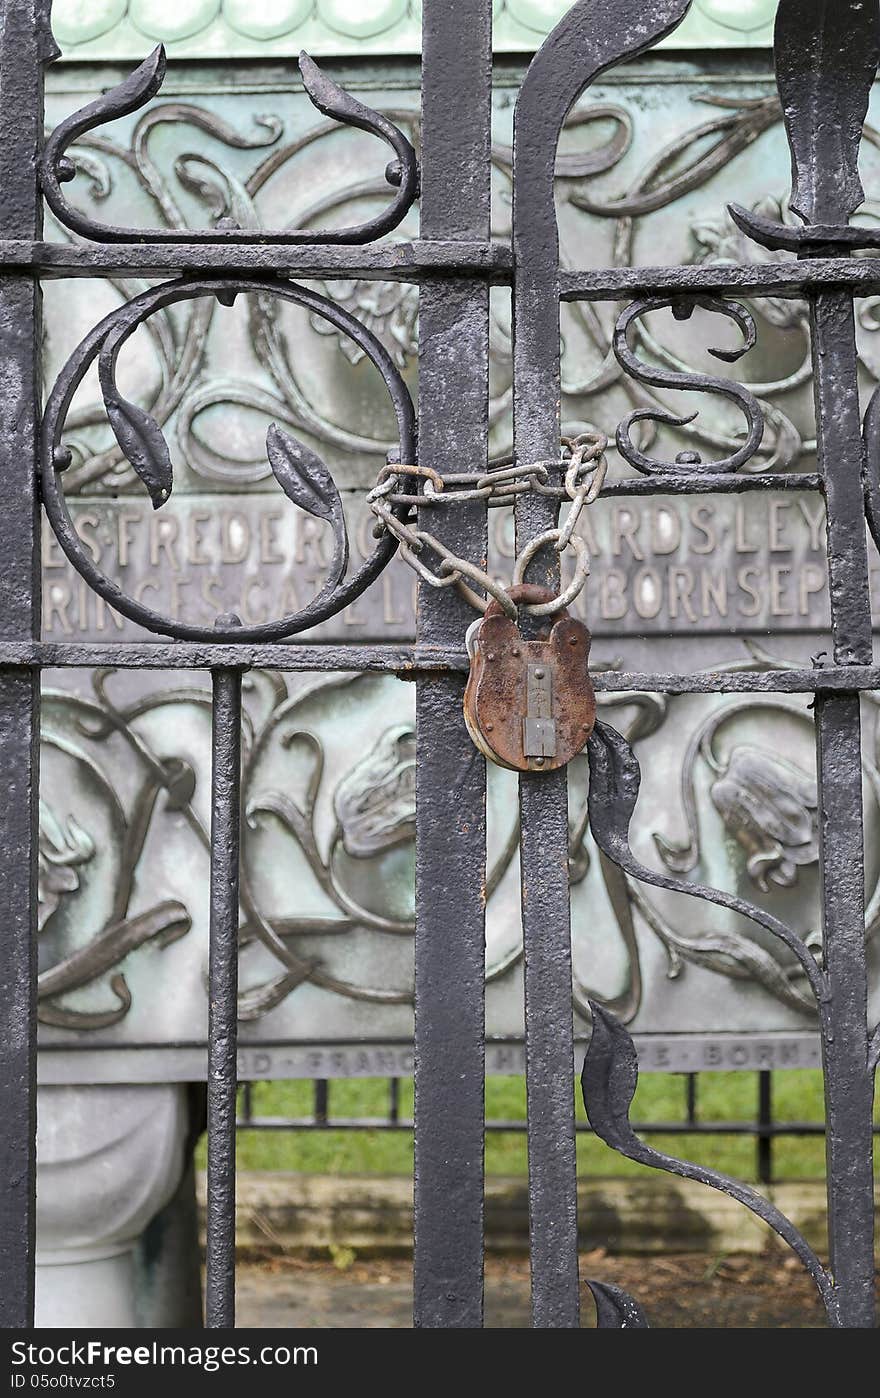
(375, 803)
(60, 851)
(721, 243)
(770, 807)
(389, 309)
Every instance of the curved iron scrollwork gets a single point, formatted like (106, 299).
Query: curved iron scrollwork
(614, 787)
(610, 1072)
(608, 1082)
(139, 87)
(688, 461)
(301, 474)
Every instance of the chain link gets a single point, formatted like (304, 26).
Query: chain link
(585, 470)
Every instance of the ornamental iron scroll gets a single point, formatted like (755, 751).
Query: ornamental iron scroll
(145, 82)
(826, 57)
(301, 474)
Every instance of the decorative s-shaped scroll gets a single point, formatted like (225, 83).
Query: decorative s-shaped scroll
(136, 90)
(299, 471)
(687, 462)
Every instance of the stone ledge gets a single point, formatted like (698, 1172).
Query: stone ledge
(293, 1213)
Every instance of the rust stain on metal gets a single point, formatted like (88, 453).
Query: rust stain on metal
(529, 705)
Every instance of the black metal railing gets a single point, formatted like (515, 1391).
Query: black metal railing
(764, 1129)
(825, 69)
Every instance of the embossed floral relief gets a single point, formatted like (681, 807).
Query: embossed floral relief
(329, 845)
(215, 383)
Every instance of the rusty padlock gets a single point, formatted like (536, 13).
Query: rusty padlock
(529, 705)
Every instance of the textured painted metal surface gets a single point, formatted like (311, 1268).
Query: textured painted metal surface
(450, 774)
(223, 1000)
(781, 821)
(25, 45)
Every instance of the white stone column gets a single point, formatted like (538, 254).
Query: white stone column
(108, 1160)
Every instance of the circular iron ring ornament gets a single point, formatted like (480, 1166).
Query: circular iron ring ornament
(299, 471)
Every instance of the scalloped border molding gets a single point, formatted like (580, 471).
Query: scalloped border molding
(123, 29)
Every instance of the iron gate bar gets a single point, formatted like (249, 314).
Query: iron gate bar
(450, 774)
(25, 45)
(409, 664)
(223, 997)
(589, 38)
(849, 1085)
(422, 260)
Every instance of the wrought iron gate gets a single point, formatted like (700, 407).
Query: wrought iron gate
(827, 57)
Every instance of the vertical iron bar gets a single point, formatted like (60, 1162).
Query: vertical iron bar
(690, 1089)
(546, 917)
(223, 999)
(549, 1050)
(841, 452)
(848, 1082)
(394, 1100)
(849, 1087)
(450, 777)
(322, 1101)
(764, 1137)
(591, 36)
(25, 45)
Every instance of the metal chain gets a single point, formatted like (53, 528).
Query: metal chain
(586, 467)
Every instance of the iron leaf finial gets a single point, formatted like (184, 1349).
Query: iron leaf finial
(827, 52)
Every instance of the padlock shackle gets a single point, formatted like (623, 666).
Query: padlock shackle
(524, 595)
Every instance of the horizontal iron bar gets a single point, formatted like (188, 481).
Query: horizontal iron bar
(655, 1128)
(698, 483)
(405, 661)
(401, 262)
(424, 259)
(860, 276)
(197, 655)
(837, 679)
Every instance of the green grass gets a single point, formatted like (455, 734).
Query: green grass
(797, 1095)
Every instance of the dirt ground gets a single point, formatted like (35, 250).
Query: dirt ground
(676, 1292)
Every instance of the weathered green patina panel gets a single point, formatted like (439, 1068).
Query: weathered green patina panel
(646, 169)
(122, 29)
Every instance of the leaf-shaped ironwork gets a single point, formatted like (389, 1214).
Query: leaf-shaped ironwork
(827, 53)
(686, 462)
(608, 1082)
(616, 1309)
(615, 778)
(140, 439)
(140, 86)
(306, 481)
